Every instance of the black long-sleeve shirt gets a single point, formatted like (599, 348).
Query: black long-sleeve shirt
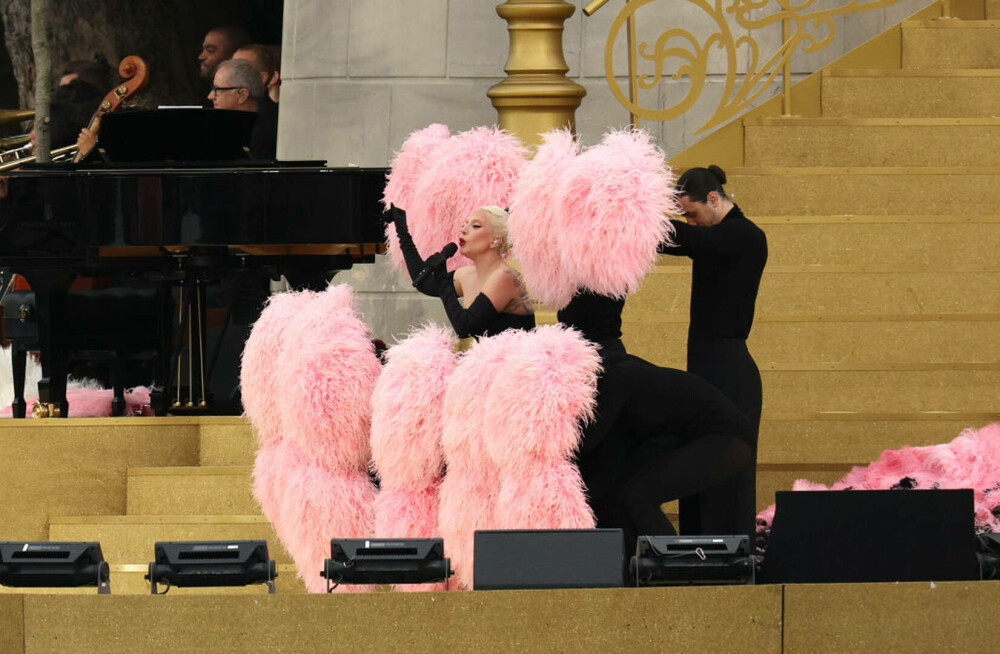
(728, 260)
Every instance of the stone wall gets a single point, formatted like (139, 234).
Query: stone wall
(360, 75)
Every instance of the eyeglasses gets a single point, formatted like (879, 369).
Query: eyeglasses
(216, 89)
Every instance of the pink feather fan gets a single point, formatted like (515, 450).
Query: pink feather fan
(543, 392)
(471, 169)
(615, 199)
(264, 348)
(533, 223)
(599, 216)
(471, 485)
(331, 371)
(406, 436)
(406, 168)
(96, 403)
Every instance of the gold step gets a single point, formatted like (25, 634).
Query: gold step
(826, 344)
(227, 442)
(851, 240)
(216, 490)
(78, 465)
(992, 9)
(865, 190)
(966, 389)
(873, 142)
(951, 44)
(833, 291)
(127, 579)
(130, 539)
(911, 93)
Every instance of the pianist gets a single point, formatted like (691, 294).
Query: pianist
(237, 85)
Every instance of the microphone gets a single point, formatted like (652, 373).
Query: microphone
(434, 261)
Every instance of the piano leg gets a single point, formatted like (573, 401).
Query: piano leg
(118, 393)
(19, 368)
(50, 302)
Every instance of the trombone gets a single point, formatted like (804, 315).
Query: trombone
(16, 150)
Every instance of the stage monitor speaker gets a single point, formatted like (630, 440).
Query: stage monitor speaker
(563, 558)
(871, 536)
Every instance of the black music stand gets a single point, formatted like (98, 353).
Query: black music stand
(178, 134)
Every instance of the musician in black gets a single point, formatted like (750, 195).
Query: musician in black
(219, 45)
(267, 60)
(237, 85)
(728, 253)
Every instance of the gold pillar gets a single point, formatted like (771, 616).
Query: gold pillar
(536, 96)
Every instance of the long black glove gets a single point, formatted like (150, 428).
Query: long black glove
(475, 320)
(414, 263)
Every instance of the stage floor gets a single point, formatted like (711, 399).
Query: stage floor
(906, 617)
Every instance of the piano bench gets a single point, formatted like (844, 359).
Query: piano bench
(114, 324)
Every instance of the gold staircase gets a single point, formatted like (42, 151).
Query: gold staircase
(878, 319)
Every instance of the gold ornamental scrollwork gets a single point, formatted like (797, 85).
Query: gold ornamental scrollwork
(809, 30)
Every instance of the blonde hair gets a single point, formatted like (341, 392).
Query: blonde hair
(498, 222)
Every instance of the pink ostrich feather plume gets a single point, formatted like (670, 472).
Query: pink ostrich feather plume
(971, 460)
(406, 168)
(615, 199)
(332, 371)
(264, 348)
(539, 399)
(472, 169)
(552, 497)
(533, 222)
(407, 409)
(467, 504)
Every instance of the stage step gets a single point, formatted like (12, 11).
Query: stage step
(227, 442)
(210, 490)
(911, 93)
(992, 9)
(823, 344)
(966, 389)
(873, 142)
(865, 190)
(932, 44)
(852, 292)
(77, 466)
(876, 240)
(130, 538)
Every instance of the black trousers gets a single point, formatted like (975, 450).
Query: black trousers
(727, 365)
(660, 434)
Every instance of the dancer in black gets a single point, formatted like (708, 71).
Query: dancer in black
(728, 253)
(499, 298)
(659, 434)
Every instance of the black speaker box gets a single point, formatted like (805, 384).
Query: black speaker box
(569, 558)
(871, 536)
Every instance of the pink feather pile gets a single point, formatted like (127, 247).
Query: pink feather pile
(406, 436)
(971, 460)
(599, 215)
(96, 403)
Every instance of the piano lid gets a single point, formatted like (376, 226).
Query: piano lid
(189, 135)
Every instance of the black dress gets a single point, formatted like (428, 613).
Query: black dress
(660, 434)
(728, 260)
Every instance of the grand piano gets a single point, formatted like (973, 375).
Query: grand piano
(181, 212)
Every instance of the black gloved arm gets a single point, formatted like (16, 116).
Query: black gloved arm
(414, 262)
(473, 321)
